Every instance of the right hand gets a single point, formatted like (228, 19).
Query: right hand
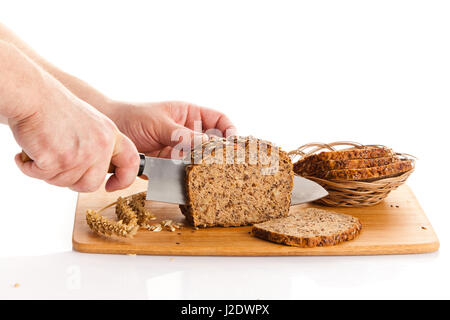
(72, 144)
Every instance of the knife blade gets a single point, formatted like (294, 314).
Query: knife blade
(166, 183)
(306, 191)
(166, 180)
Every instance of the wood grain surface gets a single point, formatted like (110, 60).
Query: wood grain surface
(397, 225)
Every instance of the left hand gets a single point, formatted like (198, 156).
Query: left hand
(156, 127)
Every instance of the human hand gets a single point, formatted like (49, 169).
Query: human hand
(152, 126)
(72, 144)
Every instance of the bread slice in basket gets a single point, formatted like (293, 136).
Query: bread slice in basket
(254, 186)
(356, 164)
(311, 168)
(368, 174)
(353, 153)
(310, 228)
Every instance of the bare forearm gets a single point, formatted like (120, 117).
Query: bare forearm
(82, 90)
(77, 86)
(21, 84)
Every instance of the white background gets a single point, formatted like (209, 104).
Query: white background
(291, 72)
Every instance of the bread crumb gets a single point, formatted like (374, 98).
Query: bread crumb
(16, 285)
(423, 228)
(131, 254)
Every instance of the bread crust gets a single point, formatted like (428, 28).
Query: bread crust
(309, 242)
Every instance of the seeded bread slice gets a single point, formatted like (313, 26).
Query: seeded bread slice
(308, 168)
(369, 174)
(354, 153)
(237, 181)
(309, 228)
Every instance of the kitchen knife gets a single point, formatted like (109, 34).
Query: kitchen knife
(166, 181)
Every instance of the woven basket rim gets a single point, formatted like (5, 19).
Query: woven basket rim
(367, 184)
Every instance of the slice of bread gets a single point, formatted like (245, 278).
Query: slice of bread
(368, 174)
(319, 168)
(353, 153)
(309, 228)
(252, 183)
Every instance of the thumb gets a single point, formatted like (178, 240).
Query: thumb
(125, 159)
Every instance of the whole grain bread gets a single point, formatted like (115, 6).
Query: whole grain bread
(309, 168)
(354, 153)
(368, 174)
(252, 183)
(309, 228)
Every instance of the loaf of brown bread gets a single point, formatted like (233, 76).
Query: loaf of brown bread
(237, 181)
(309, 228)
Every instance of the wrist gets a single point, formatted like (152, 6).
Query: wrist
(114, 109)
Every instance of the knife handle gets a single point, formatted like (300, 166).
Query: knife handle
(111, 169)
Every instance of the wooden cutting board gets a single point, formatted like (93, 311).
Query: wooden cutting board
(398, 225)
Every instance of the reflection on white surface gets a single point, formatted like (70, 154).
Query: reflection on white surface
(73, 281)
(74, 275)
(345, 278)
(167, 286)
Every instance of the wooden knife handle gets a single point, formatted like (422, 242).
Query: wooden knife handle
(111, 169)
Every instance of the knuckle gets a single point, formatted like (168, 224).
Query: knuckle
(97, 183)
(62, 179)
(66, 159)
(75, 188)
(57, 183)
(133, 160)
(44, 160)
(89, 183)
(84, 187)
(105, 139)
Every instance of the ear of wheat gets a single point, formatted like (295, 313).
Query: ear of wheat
(131, 214)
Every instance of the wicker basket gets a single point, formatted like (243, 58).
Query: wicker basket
(352, 193)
